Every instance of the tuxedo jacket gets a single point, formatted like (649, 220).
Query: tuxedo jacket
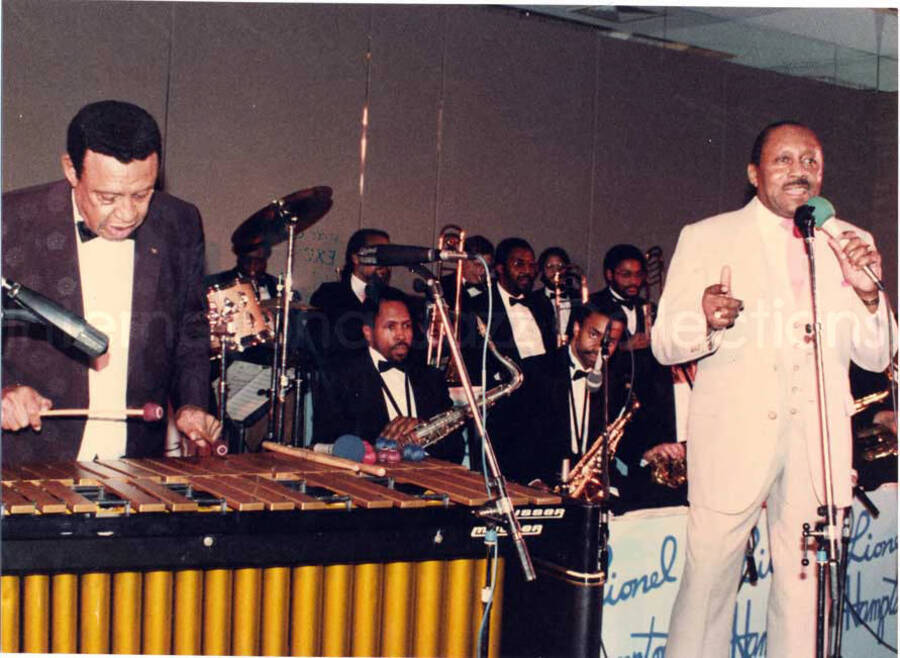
(337, 327)
(654, 422)
(348, 399)
(335, 324)
(540, 409)
(608, 303)
(169, 349)
(500, 332)
(733, 437)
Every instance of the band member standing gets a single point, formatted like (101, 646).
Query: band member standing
(518, 328)
(340, 330)
(474, 277)
(737, 297)
(382, 392)
(552, 265)
(652, 432)
(106, 246)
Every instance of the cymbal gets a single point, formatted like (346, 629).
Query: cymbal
(267, 224)
(275, 304)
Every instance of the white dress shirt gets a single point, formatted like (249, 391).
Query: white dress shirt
(580, 412)
(397, 383)
(358, 286)
(565, 309)
(106, 268)
(525, 330)
(630, 313)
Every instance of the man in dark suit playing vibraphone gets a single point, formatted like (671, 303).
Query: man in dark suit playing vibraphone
(382, 392)
(105, 245)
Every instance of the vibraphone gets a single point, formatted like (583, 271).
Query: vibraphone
(274, 555)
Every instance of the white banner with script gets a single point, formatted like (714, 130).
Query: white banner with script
(647, 558)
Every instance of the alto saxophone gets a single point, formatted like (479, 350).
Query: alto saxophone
(585, 479)
(439, 426)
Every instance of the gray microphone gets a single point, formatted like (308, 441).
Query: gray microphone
(85, 337)
(402, 254)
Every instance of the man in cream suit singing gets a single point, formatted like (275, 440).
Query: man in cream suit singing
(737, 298)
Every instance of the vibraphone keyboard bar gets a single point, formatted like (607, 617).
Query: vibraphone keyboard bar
(275, 555)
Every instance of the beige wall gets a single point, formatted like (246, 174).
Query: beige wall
(480, 116)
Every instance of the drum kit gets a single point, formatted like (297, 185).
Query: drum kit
(239, 320)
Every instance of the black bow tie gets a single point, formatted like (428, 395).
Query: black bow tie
(384, 366)
(579, 374)
(519, 300)
(87, 234)
(627, 303)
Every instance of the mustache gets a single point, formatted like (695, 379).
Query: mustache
(800, 182)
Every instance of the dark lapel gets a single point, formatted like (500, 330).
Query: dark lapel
(371, 396)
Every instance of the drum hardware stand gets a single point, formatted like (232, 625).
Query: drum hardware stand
(220, 325)
(828, 548)
(297, 429)
(280, 379)
(274, 421)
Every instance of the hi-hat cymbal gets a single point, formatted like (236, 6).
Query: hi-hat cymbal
(269, 225)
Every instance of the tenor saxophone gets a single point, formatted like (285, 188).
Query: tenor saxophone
(585, 479)
(439, 426)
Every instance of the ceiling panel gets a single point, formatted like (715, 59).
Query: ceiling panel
(850, 47)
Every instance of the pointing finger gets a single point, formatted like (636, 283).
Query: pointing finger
(725, 279)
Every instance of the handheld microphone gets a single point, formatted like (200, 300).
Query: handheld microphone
(401, 254)
(820, 212)
(594, 378)
(85, 337)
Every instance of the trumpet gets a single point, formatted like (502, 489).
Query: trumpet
(585, 479)
(656, 267)
(668, 472)
(450, 237)
(876, 442)
(867, 401)
(569, 277)
(439, 426)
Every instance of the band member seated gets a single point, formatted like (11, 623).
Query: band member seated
(129, 259)
(382, 392)
(651, 435)
(252, 261)
(341, 302)
(554, 416)
(552, 266)
(518, 328)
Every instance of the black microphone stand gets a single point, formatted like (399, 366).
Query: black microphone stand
(501, 506)
(826, 532)
(604, 466)
(500, 509)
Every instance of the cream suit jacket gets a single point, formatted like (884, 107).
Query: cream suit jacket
(735, 403)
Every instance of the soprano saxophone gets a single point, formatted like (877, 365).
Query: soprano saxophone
(585, 479)
(439, 426)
